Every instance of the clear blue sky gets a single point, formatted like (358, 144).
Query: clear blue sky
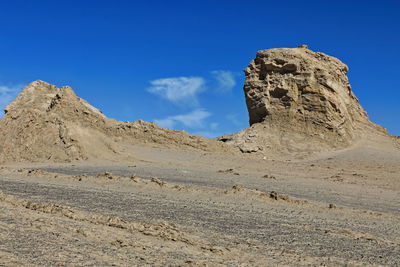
(180, 62)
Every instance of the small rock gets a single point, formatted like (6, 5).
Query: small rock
(269, 177)
(157, 181)
(249, 148)
(303, 46)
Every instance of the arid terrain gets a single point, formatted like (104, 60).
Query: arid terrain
(170, 207)
(311, 182)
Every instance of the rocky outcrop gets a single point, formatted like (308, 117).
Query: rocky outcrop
(302, 85)
(302, 100)
(46, 123)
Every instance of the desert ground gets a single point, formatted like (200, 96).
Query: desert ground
(174, 207)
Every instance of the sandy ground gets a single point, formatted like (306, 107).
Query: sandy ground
(185, 208)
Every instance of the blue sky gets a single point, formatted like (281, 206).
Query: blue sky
(180, 63)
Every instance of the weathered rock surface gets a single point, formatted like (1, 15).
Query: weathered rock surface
(302, 85)
(300, 100)
(49, 123)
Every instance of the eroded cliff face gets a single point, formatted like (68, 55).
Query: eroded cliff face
(299, 84)
(300, 100)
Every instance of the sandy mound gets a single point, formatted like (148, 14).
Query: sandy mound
(300, 101)
(49, 123)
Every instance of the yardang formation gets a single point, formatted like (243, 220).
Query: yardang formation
(299, 102)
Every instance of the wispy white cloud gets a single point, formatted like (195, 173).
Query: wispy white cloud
(7, 94)
(180, 90)
(194, 119)
(184, 91)
(225, 79)
(166, 123)
(234, 119)
(214, 125)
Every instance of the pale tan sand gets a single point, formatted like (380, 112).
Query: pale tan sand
(204, 209)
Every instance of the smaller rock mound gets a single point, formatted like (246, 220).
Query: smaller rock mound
(49, 123)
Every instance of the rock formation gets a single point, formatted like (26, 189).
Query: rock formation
(301, 100)
(49, 123)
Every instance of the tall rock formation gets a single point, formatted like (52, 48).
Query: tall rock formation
(46, 123)
(300, 100)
